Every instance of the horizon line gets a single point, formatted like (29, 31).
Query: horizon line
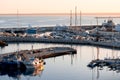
(60, 14)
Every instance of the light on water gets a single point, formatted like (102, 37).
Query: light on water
(67, 67)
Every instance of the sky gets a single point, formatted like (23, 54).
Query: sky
(59, 6)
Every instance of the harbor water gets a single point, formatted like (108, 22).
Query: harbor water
(67, 67)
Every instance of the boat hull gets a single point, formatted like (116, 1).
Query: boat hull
(12, 65)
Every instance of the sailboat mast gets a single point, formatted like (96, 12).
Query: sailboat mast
(75, 16)
(80, 18)
(70, 18)
(17, 18)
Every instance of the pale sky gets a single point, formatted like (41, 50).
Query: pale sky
(59, 6)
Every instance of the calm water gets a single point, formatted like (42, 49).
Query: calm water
(67, 67)
(47, 20)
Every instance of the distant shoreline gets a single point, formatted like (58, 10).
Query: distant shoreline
(61, 14)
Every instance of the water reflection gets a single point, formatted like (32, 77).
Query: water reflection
(69, 67)
(102, 61)
(16, 74)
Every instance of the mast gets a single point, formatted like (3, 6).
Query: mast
(75, 16)
(70, 18)
(80, 18)
(17, 18)
(17, 34)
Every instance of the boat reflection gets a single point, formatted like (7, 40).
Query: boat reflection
(33, 72)
(111, 64)
(16, 74)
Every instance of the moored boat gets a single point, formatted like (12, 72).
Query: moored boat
(32, 63)
(12, 65)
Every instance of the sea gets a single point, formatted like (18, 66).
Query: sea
(66, 67)
(19, 21)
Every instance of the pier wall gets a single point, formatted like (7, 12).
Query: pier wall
(33, 39)
(63, 41)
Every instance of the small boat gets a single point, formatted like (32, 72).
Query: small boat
(12, 65)
(34, 63)
(109, 23)
(17, 73)
(19, 64)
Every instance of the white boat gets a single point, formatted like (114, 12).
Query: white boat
(109, 23)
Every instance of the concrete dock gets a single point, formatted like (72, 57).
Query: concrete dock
(63, 41)
(40, 53)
